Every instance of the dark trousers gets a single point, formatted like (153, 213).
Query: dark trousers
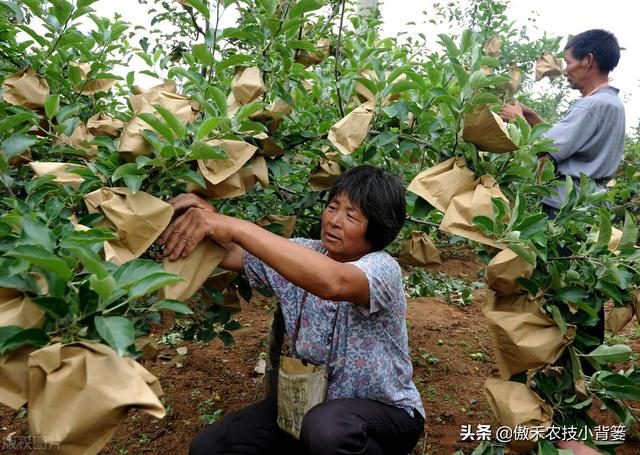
(343, 426)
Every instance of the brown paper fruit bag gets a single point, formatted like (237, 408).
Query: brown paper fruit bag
(619, 317)
(103, 125)
(514, 84)
(238, 153)
(61, 171)
(349, 132)
(80, 140)
(438, 184)
(93, 86)
(16, 309)
(148, 346)
(286, 223)
(26, 88)
(271, 116)
(419, 250)
(503, 270)
(548, 66)
(323, 176)
(492, 46)
(138, 218)
(221, 280)
(14, 375)
(487, 131)
(247, 85)
(268, 146)
(464, 207)
(307, 58)
(80, 393)
(237, 184)
(514, 404)
(523, 336)
(195, 269)
(255, 172)
(166, 86)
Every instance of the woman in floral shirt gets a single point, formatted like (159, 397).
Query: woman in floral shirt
(372, 405)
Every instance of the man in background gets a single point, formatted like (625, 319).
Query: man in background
(590, 137)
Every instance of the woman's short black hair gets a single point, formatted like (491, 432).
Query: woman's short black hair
(601, 43)
(380, 197)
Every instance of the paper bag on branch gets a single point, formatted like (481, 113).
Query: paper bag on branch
(614, 241)
(619, 317)
(26, 88)
(247, 85)
(80, 139)
(148, 346)
(166, 86)
(514, 84)
(221, 280)
(16, 309)
(138, 218)
(323, 176)
(487, 131)
(237, 184)
(268, 146)
(195, 269)
(287, 223)
(307, 58)
(94, 85)
(419, 250)
(271, 116)
(217, 170)
(492, 46)
(514, 404)
(503, 270)
(23, 158)
(438, 184)
(257, 171)
(523, 336)
(349, 132)
(103, 125)
(80, 393)
(548, 66)
(14, 375)
(61, 171)
(476, 201)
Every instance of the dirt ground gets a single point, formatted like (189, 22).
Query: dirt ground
(451, 351)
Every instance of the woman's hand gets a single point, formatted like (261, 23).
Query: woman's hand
(187, 200)
(577, 447)
(183, 235)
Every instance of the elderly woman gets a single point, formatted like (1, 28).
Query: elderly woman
(372, 405)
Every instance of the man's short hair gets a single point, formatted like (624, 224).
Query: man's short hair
(601, 43)
(380, 197)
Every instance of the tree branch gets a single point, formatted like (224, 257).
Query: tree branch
(337, 57)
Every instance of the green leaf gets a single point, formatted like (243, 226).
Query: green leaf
(7, 331)
(152, 282)
(485, 223)
(304, 6)
(36, 233)
(32, 337)
(571, 294)
(248, 109)
(90, 260)
(201, 7)
(174, 123)
(210, 124)
(557, 317)
(51, 105)
(629, 233)
(93, 235)
(104, 287)
(172, 305)
(202, 53)
(117, 331)
(610, 354)
(133, 271)
(524, 253)
(234, 60)
(303, 44)
(528, 284)
(449, 45)
(126, 169)
(53, 306)
(157, 125)
(403, 86)
(531, 226)
(40, 257)
(604, 230)
(219, 98)
(269, 6)
(17, 144)
(484, 98)
(13, 8)
(618, 386)
(202, 151)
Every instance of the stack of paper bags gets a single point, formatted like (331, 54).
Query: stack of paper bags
(548, 66)
(419, 250)
(61, 171)
(438, 184)
(26, 89)
(465, 206)
(132, 142)
(487, 131)
(138, 218)
(247, 86)
(523, 336)
(349, 132)
(515, 404)
(79, 394)
(235, 175)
